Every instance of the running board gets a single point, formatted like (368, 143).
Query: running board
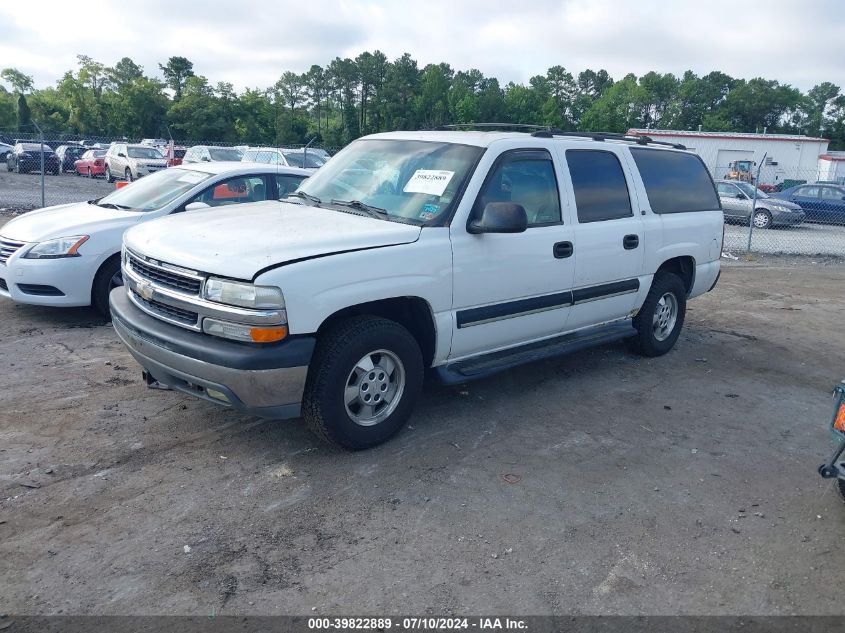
(488, 364)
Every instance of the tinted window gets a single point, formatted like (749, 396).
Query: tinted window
(598, 181)
(830, 193)
(807, 192)
(287, 183)
(526, 181)
(234, 191)
(727, 190)
(675, 182)
(224, 153)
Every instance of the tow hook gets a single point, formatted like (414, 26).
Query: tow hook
(152, 383)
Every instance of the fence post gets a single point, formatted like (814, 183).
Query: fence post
(41, 152)
(754, 202)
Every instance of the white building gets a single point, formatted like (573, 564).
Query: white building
(787, 156)
(832, 167)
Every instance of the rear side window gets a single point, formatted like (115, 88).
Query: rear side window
(675, 182)
(598, 182)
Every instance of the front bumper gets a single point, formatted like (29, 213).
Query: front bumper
(792, 218)
(266, 380)
(70, 276)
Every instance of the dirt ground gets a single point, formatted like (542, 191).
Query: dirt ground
(600, 483)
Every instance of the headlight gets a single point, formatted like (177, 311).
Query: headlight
(54, 249)
(245, 295)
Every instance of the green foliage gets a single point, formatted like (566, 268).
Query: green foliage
(24, 118)
(349, 97)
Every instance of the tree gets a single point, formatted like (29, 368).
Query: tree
(432, 104)
(24, 115)
(819, 105)
(124, 72)
(20, 82)
(176, 73)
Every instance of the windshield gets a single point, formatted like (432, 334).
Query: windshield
(311, 161)
(145, 152)
(748, 190)
(154, 191)
(415, 180)
(224, 153)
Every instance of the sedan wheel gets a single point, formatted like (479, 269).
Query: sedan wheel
(128, 175)
(762, 220)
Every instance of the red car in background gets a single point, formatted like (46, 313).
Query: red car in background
(91, 163)
(178, 155)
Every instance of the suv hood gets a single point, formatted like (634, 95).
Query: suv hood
(240, 240)
(64, 220)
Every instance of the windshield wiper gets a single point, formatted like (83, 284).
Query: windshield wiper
(373, 212)
(112, 205)
(305, 196)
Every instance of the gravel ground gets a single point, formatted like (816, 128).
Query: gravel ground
(22, 192)
(600, 483)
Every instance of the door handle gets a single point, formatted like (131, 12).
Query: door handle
(631, 242)
(562, 250)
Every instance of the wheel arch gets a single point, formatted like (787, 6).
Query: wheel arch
(682, 266)
(103, 264)
(411, 312)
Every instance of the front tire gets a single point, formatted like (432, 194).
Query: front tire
(108, 175)
(762, 219)
(364, 380)
(842, 488)
(106, 279)
(661, 317)
(127, 175)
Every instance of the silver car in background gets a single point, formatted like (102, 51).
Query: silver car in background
(737, 200)
(131, 162)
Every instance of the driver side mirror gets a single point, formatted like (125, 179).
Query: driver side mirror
(121, 155)
(741, 196)
(500, 217)
(196, 206)
(206, 159)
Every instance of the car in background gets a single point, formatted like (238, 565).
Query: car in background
(823, 203)
(176, 159)
(737, 199)
(26, 157)
(211, 154)
(5, 148)
(69, 255)
(286, 158)
(92, 163)
(158, 143)
(131, 162)
(68, 155)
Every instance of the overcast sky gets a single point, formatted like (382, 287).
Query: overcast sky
(251, 42)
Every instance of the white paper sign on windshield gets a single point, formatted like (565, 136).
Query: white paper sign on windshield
(192, 177)
(430, 181)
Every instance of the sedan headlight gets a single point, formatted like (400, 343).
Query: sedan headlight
(55, 249)
(245, 295)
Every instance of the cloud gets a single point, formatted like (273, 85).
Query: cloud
(250, 43)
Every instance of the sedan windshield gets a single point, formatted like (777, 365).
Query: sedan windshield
(748, 190)
(149, 153)
(417, 181)
(224, 153)
(155, 191)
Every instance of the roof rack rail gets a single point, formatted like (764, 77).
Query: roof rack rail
(639, 139)
(520, 127)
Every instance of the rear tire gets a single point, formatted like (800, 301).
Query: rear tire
(364, 358)
(661, 317)
(106, 279)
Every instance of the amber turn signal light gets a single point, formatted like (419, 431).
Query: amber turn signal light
(268, 334)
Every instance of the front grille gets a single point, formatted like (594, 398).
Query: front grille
(167, 311)
(7, 248)
(166, 278)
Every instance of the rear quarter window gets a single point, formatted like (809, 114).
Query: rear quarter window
(675, 182)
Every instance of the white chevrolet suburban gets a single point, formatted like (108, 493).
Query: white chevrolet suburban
(460, 252)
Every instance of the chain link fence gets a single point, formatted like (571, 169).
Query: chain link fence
(75, 166)
(792, 210)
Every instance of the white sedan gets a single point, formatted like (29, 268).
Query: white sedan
(69, 255)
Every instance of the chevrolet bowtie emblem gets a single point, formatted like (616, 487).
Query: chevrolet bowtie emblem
(145, 290)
